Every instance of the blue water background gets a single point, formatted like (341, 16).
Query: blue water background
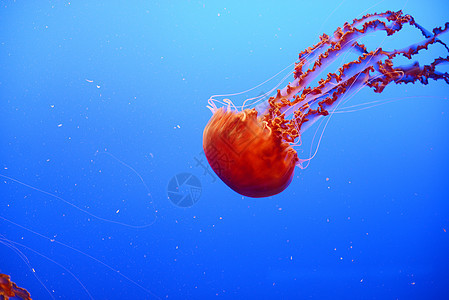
(103, 102)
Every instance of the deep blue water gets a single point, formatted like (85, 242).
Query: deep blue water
(104, 102)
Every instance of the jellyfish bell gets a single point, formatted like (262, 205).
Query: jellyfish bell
(246, 154)
(251, 149)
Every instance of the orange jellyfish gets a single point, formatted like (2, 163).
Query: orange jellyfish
(251, 149)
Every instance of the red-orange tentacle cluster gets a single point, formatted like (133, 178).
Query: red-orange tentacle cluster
(10, 289)
(297, 104)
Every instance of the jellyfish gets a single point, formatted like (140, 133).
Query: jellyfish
(252, 149)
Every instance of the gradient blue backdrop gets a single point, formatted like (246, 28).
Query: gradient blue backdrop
(102, 102)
